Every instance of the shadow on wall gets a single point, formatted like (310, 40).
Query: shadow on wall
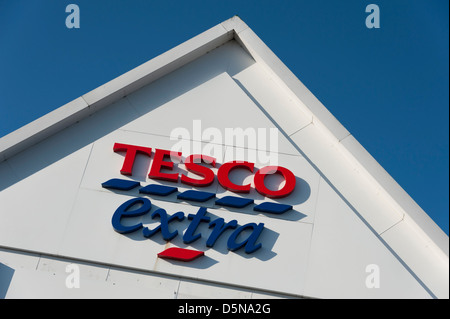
(268, 237)
(6, 274)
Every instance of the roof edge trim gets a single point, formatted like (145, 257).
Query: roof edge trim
(413, 213)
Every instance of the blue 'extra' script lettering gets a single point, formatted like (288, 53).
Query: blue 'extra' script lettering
(143, 205)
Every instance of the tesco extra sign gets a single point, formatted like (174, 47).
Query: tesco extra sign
(162, 159)
(200, 165)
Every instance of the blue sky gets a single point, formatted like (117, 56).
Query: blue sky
(387, 86)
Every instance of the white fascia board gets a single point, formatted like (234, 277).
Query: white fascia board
(235, 25)
(331, 126)
(42, 128)
(263, 55)
(157, 67)
(413, 213)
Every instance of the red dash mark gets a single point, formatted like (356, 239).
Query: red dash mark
(180, 254)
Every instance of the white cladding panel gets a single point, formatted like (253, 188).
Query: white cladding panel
(53, 204)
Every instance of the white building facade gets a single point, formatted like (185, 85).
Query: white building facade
(208, 172)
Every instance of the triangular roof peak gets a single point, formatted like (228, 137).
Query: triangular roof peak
(414, 222)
